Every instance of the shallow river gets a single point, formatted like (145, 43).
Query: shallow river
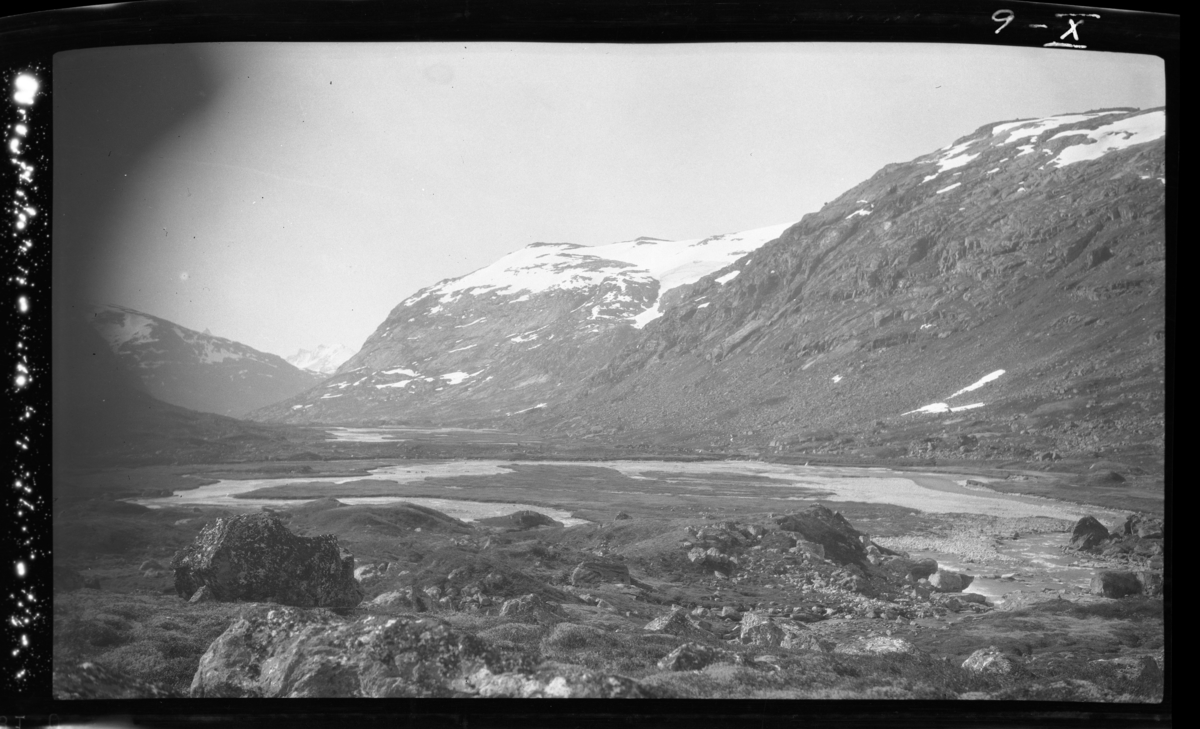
(1035, 560)
(934, 493)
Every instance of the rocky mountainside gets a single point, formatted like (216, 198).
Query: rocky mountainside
(196, 370)
(513, 336)
(323, 360)
(1017, 274)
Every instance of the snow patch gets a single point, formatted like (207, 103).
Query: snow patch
(1034, 127)
(1111, 137)
(863, 211)
(455, 378)
(330, 395)
(941, 407)
(836, 378)
(948, 188)
(401, 383)
(460, 349)
(978, 383)
(727, 277)
(402, 371)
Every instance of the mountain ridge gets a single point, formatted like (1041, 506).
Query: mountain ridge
(193, 370)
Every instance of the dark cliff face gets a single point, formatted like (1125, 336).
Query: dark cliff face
(194, 370)
(1001, 252)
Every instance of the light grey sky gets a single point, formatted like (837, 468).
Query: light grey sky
(290, 195)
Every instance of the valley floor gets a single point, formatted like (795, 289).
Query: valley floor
(866, 633)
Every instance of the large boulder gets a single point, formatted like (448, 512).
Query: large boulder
(406, 599)
(990, 660)
(1151, 582)
(1142, 527)
(946, 581)
(1088, 534)
(288, 653)
(1112, 583)
(759, 629)
(841, 542)
(902, 568)
(253, 557)
(676, 622)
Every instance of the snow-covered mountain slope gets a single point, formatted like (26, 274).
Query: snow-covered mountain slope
(194, 370)
(508, 337)
(323, 360)
(1027, 258)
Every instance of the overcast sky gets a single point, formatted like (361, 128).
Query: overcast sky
(290, 195)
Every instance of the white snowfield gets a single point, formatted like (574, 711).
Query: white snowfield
(541, 267)
(978, 383)
(1118, 135)
(1136, 129)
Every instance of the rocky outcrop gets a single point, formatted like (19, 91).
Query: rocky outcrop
(1112, 583)
(676, 622)
(840, 541)
(694, 656)
(1140, 526)
(762, 630)
(1088, 534)
(990, 660)
(288, 653)
(254, 557)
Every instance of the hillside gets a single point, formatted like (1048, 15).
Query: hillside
(196, 370)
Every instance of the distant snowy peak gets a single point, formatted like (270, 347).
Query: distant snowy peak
(544, 267)
(324, 359)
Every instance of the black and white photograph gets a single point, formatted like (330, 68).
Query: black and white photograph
(489, 369)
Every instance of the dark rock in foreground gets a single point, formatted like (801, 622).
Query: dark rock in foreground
(255, 558)
(1111, 583)
(1087, 534)
(990, 660)
(842, 543)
